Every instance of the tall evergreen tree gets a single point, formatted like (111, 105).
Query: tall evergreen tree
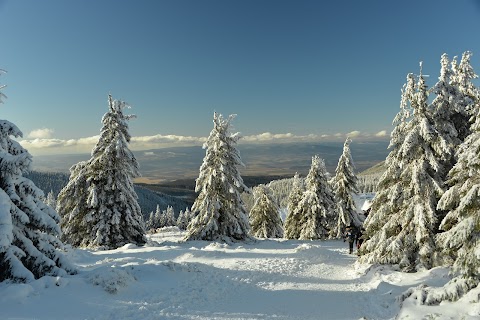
(182, 220)
(388, 197)
(467, 95)
(51, 200)
(460, 243)
(29, 230)
(344, 186)
(293, 222)
(446, 113)
(402, 221)
(189, 216)
(169, 216)
(99, 205)
(265, 220)
(317, 206)
(150, 223)
(221, 212)
(159, 219)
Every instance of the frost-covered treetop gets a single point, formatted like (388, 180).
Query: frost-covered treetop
(317, 171)
(115, 128)
(221, 132)
(463, 74)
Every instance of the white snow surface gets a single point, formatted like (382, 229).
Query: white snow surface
(264, 279)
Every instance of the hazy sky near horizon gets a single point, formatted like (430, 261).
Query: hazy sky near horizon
(291, 70)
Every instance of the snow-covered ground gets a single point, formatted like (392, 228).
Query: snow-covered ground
(264, 279)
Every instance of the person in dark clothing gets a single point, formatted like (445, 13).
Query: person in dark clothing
(350, 235)
(359, 238)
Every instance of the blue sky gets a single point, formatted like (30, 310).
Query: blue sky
(288, 69)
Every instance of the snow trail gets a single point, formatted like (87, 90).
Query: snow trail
(172, 279)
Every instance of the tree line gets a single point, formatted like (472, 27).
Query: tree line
(427, 207)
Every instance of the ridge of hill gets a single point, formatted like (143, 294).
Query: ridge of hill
(377, 170)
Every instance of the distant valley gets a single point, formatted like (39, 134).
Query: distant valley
(280, 160)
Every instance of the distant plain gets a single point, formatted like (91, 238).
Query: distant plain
(279, 160)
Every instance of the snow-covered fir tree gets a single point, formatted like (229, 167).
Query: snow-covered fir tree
(160, 219)
(99, 206)
(316, 208)
(154, 220)
(221, 214)
(368, 183)
(466, 94)
(51, 200)
(402, 222)
(183, 219)
(189, 215)
(293, 222)
(265, 220)
(447, 110)
(30, 247)
(149, 224)
(169, 217)
(344, 186)
(460, 243)
(388, 197)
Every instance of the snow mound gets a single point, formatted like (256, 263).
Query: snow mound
(215, 246)
(182, 267)
(111, 279)
(303, 247)
(129, 246)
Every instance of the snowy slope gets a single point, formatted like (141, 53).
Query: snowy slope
(267, 279)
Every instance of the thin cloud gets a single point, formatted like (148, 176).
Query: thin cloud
(53, 146)
(168, 139)
(268, 136)
(158, 141)
(354, 134)
(381, 134)
(43, 133)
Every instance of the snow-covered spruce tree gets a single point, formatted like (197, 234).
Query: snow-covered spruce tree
(221, 214)
(402, 221)
(317, 206)
(182, 220)
(29, 230)
(467, 95)
(149, 224)
(344, 186)
(265, 220)
(447, 110)
(169, 216)
(50, 200)
(189, 216)
(293, 222)
(99, 206)
(388, 198)
(460, 243)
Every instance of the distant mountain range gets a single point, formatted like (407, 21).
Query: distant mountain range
(170, 164)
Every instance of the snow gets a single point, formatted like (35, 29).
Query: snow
(169, 278)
